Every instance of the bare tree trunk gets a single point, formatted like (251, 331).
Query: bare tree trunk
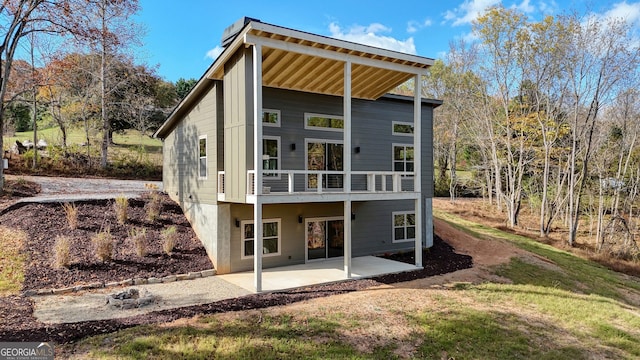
(106, 124)
(453, 153)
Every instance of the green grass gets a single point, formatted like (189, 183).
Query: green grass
(562, 308)
(75, 136)
(12, 261)
(256, 337)
(592, 276)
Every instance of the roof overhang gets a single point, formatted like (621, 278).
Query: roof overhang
(302, 61)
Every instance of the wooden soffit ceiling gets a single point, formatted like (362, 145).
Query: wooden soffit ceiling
(294, 71)
(305, 62)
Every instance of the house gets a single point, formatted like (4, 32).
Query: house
(335, 166)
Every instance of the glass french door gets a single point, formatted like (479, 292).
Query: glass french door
(325, 238)
(326, 156)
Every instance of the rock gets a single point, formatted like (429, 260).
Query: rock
(206, 273)
(193, 275)
(153, 280)
(139, 281)
(63, 290)
(170, 278)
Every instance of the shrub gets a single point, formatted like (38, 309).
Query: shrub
(153, 206)
(103, 242)
(120, 207)
(139, 238)
(169, 239)
(62, 252)
(71, 212)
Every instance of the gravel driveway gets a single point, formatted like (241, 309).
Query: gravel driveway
(60, 188)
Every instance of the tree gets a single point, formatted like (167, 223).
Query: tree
(601, 55)
(183, 87)
(108, 29)
(459, 87)
(501, 32)
(19, 18)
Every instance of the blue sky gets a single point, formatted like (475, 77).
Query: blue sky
(183, 37)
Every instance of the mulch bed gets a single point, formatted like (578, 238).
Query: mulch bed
(43, 222)
(19, 188)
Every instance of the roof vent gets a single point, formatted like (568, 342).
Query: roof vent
(231, 31)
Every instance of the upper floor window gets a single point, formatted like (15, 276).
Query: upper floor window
(404, 226)
(323, 122)
(402, 128)
(202, 165)
(403, 157)
(271, 117)
(271, 156)
(270, 238)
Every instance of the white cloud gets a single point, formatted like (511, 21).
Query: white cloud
(215, 52)
(548, 8)
(525, 7)
(413, 26)
(371, 35)
(627, 12)
(468, 11)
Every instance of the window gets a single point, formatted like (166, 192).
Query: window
(271, 117)
(323, 122)
(402, 128)
(403, 158)
(271, 156)
(270, 238)
(202, 145)
(404, 226)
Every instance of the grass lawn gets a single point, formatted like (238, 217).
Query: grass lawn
(551, 305)
(132, 155)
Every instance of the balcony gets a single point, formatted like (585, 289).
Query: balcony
(314, 185)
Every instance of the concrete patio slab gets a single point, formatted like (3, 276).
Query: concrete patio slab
(317, 272)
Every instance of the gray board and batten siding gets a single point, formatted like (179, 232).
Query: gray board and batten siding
(372, 231)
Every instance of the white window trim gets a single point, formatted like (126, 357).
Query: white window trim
(306, 159)
(310, 115)
(393, 159)
(272, 111)
(393, 226)
(393, 127)
(277, 175)
(243, 240)
(306, 235)
(206, 157)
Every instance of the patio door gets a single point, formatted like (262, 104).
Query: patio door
(327, 156)
(325, 238)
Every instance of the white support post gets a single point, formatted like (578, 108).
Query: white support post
(347, 239)
(348, 152)
(257, 165)
(291, 183)
(417, 165)
(428, 222)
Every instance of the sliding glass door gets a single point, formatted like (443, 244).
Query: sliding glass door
(325, 238)
(325, 155)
